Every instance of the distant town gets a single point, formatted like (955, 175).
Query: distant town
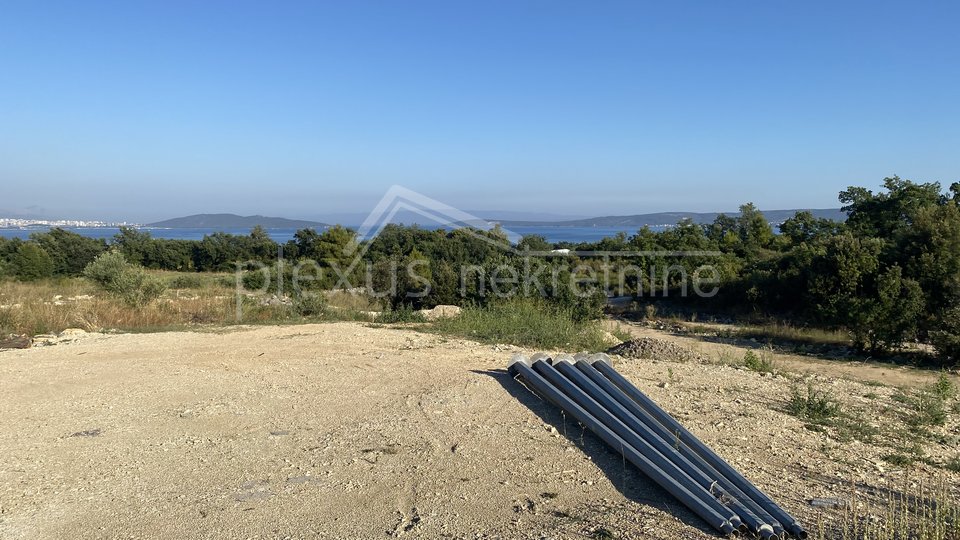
(17, 223)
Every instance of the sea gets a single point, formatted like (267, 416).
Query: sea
(552, 234)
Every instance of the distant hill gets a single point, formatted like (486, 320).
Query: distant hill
(233, 221)
(775, 217)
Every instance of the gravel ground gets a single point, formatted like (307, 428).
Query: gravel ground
(349, 431)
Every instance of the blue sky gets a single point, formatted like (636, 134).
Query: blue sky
(148, 110)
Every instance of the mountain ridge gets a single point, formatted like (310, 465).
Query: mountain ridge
(672, 218)
(234, 221)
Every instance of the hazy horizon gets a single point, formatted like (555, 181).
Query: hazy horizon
(144, 112)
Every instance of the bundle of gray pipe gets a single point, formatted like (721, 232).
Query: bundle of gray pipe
(591, 391)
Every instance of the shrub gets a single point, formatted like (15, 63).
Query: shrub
(186, 282)
(761, 363)
(254, 280)
(309, 304)
(128, 281)
(944, 387)
(929, 409)
(813, 405)
(403, 314)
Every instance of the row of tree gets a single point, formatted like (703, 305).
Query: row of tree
(890, 273)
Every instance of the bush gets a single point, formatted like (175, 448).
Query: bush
(813, 405)
(309, 304)
(128, 281)
(186, 282)
(761, 363)
(403, 314)
(929, 409)
(944, 387)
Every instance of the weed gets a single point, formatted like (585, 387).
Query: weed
(525, 322)
(944, 387)
(404, 314)
(812, 405)
(761, 363)
(621, 334)
(185, 281)
(853, 427)
(603, 533)
(899, 460)
(928, 409)
(309, 304)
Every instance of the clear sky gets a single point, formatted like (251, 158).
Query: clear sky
(149, 110)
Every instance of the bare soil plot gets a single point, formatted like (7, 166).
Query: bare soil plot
(349, 431)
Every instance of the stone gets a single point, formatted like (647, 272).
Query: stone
(440, 312)
(16, 342)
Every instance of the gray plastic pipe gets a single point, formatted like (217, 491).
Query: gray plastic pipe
(611, 397)
(520, 367)
(791, 524)
(638, 427)
(647, 447)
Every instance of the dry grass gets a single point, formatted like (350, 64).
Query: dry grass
(49, 307)
(778, 333)
(913, 508)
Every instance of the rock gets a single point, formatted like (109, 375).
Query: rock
(274, 300)
(16, 342)
(440, 312)
(610, 339)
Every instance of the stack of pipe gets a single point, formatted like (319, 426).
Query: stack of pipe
(591, 391)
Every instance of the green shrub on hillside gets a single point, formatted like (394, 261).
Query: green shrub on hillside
(128, 281)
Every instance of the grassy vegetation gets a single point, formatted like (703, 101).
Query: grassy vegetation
(403, 314)
(761, 362)
(189, 300)
(53, 305)
(788, 334)
(813, 405)
(525, 322)
(777, 333)
(923, 414)
(912, 510)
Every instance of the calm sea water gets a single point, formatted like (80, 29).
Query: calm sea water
(552, 234)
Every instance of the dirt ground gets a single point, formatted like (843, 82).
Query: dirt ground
(349, 431)
(871, 372)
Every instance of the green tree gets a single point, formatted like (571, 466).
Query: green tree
(134, 244)
(882, 215)
(69, 251)
(804, 227)
(534, 242)
(891, 316)
(754, 230)
(31, 262)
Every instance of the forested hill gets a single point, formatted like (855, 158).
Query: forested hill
(233, 221)
(672, 218)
